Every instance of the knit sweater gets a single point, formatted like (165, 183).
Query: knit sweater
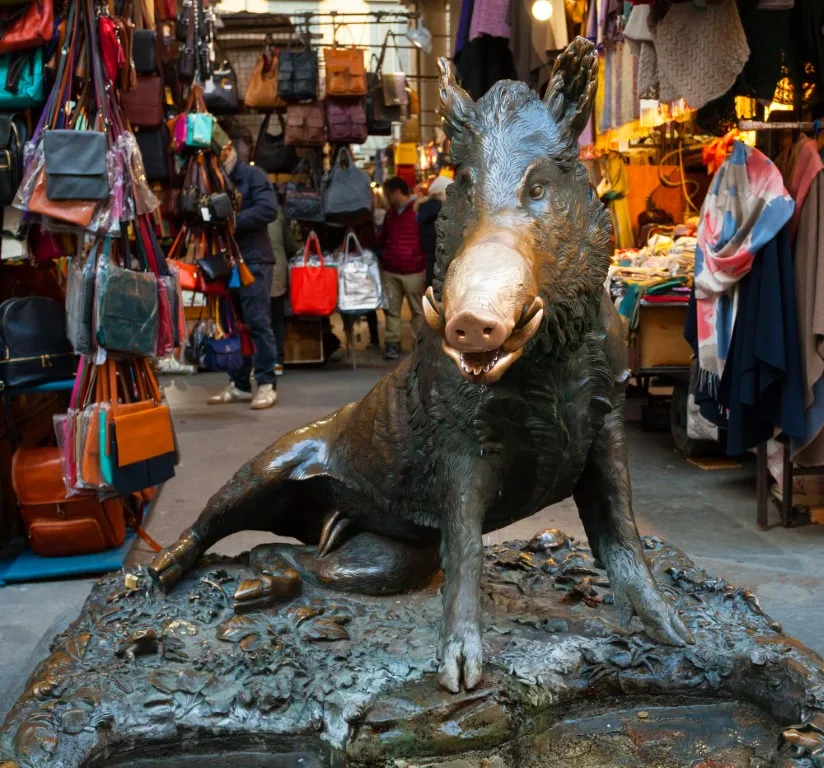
(401, 242)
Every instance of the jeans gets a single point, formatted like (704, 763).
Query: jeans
(257, 314)
(279, 324)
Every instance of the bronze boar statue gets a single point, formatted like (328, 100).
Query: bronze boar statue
(511, 401)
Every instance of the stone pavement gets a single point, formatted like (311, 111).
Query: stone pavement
(710, 515)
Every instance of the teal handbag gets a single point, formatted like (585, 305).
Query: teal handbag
(22, 82)
(199, 129)
(106, 470)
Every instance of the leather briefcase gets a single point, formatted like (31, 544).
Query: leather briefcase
(59, 525)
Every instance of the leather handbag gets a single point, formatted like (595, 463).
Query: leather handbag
(22, 80)
(345, 71)
(220, 91)
(393, 83)
(79, 212)
(154, 149)
(224, 354)
(304, 201)
(126, 306)
(346, 121)
(298, 74)
(271, 152)
(26, 26)
(59, 525)
(220, 207)
(215, 266)
(13, 136)
(411, 131)
(76, 165)
(313, 290)
(305, 125)
(349, 190)
(35, 349)
(199, 129)
(144, 51)
(141, 440)
(379, 117)
(145, 105)
(262, 91)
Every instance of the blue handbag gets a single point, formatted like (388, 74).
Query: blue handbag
(22, 82)
(223, 354)
(199, 129)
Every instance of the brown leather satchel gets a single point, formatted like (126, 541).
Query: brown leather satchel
(79, 212)
(59, 525)
(262, 91)
(305, 125)
(144, 105)
(345, 71)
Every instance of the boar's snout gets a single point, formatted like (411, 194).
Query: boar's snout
(490, 307)
(475, 331)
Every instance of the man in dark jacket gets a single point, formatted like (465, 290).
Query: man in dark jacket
(259, 206)
(402, 263)
(428, 210)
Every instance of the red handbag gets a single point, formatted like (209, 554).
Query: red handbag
(313, 290)
(26, 26)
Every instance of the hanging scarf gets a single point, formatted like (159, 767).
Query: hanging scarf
(745, 208)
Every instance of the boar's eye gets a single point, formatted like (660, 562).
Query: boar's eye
(537, 191)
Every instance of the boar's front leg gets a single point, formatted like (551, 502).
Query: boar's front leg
(462, 560)
(604, 498)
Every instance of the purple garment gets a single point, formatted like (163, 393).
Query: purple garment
(465, 19)
(490, 17)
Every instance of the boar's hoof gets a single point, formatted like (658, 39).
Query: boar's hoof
(168, 566)
(657, 614)
(256, 594)
(461, 659)
(331, 536)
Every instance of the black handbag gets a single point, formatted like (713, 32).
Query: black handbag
(271, 152)
(378, 115)
(220, 207)
(34, 343)
(215, 266)
(154, 148)
(76, 165)
(13, 136)
(220, 92)
(298, 74)
(304, 202)
(144, 51)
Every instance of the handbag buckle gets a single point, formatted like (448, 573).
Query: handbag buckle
(61, 513)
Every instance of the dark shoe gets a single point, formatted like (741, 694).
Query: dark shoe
(392, 352)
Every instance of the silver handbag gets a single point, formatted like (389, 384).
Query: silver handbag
(360, 288)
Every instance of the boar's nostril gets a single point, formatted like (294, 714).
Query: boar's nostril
(488, 331)
(461, 334)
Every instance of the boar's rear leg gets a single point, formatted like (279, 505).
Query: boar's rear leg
(604, 498)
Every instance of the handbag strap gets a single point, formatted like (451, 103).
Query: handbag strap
(343, 153)
(351, 236)
(381, 58)
(312, 240)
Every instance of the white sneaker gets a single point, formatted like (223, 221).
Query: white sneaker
(265, 397)
(278, 370)
(230, 394)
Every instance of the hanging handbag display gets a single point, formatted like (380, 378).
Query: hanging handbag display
(345, 71)
(271, 152)
(12, 139)
(262, 91)
(57, 524)
(220, 91)
(305, 125)
(304, 201)
(76, 165)
(349, 189)
(26, 26)
(22, 79)
(141, 439)
(380, 116)
(144, 51)
(346, 122)
(313, 290)
(298, 74)
(145, 105)
(393, 83)
(360, 288)
(33, 340)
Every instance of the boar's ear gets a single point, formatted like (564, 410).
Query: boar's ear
(457, 108)
(571, 90)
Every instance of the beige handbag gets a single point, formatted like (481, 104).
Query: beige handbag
(411, 131)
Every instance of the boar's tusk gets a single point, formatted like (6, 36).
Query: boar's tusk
(432, 311)
(529, 312)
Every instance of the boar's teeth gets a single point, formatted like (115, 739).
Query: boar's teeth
(480, 367)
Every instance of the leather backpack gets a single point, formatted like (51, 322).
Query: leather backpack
(13, 137)
(59, 525)
(35, 349)
(345, 71)
(298, 74)
(305, 125)
(346, 121)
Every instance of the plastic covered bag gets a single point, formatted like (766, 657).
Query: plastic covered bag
(80, 304)
(127, 308)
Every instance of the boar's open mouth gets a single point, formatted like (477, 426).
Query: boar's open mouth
(486, 366)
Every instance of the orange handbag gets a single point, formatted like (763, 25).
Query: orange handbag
(78, 212)
(262, 91)
(59, 525)
(26, 26)
(345, 71)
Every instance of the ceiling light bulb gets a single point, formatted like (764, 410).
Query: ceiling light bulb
(542, 10)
